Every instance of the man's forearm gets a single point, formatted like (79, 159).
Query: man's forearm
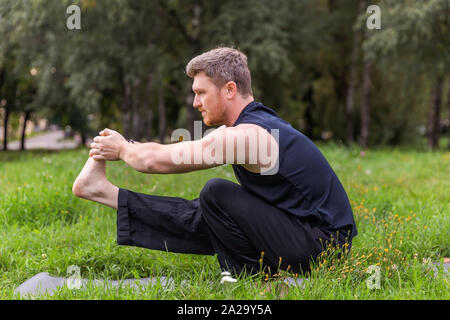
(140, 156)
(152, 157)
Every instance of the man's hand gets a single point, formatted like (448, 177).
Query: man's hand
(107, 146)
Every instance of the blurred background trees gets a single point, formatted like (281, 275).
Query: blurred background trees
(315, 62)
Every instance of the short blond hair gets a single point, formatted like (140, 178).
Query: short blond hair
(223, 64)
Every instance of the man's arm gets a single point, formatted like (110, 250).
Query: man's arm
(246, 144)
(153, 157)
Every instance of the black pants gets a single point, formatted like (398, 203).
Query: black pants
(226, 220)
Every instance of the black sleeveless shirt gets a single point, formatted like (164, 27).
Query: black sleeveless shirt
(303, 183)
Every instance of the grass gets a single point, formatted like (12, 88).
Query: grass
(399, 197)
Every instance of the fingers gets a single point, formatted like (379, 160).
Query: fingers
(107, 132)
(95, 154)
(98, 139)
(98, 158)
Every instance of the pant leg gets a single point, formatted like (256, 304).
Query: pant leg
(225, 219)
(243, 225)
(161, 223)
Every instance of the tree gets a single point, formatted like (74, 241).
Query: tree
(351, 82)
(419, 30)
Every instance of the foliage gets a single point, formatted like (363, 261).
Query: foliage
(125, 67)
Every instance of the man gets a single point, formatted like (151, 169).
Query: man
(289, 204)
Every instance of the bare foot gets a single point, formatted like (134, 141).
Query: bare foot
(92, 184)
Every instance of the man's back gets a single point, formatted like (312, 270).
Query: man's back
(303, 184)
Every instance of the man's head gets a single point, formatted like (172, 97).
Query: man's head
(221, 77)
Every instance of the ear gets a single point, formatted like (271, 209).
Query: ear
(230, 89)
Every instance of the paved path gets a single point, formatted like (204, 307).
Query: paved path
(52, 140)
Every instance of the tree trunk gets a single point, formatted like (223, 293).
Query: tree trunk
(5, 129)
(351, 83)
(125, 108)
(135, 112)
(162, 117)
(434, 116)
(196, 47)
(146, 124)
(190, 31)
(350, 94)
(190, 116)
(331, 5)
(83, 138)
(365, 106)
(24, 128)
(448, 115)
(142, 110)
(149, 124)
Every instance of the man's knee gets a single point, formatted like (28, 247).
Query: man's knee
(216, 192)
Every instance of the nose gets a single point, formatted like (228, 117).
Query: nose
(197, 103)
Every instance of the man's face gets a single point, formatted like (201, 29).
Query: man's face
(208, 100)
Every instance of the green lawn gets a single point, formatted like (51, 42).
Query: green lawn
(400, 201)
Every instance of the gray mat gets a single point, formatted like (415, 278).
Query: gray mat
(43, 283)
